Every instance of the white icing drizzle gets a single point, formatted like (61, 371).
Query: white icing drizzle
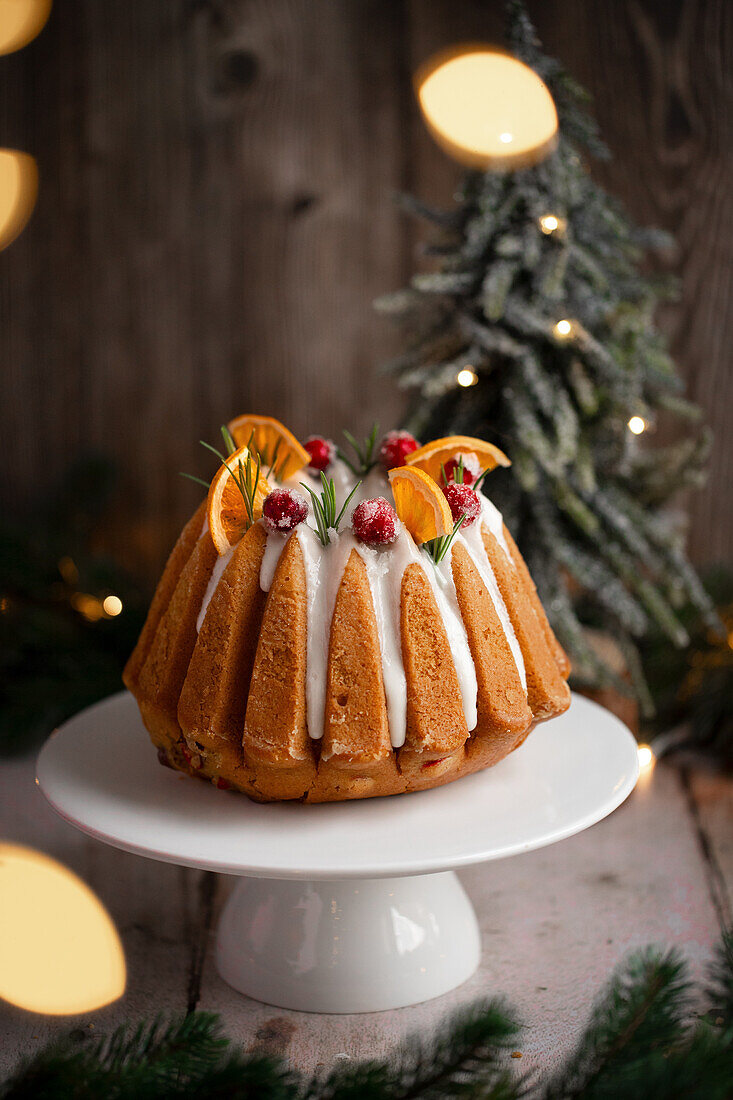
(273, 549)
(472, 539)
(385, 567)
(324, 567)
(216, 573)
(493, 519)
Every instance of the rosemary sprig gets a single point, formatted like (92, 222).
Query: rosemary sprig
(457, 472)
(246, 476)
(477, 483)
(324, 507)
(364, 452)
(198, 480)
(438, 548)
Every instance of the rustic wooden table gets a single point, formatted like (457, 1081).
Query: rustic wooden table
(554, 923)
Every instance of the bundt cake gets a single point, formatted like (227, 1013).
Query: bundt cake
(343, 624)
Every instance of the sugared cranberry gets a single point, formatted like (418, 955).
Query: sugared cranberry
(471, 468)
(322, 452)
(463, 501)
(375, 522)
(395, 448)
(283, 510)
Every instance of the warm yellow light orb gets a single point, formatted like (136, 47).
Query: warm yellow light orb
(112, 605)
(20, 22)
(646, 757)
(466, 377)
(59, 949)
(563, 328)
(486, 109)
(637, 424)
(18, 191)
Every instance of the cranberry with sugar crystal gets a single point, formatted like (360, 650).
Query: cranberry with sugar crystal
(395, 447)
(283, 510)
(375, 522)
(322, 452)
(462, 500)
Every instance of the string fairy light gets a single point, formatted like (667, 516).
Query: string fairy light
(563, 329)
(646, 757)
(552, 224)
(466, 377)
(637, 424)
(112, 606)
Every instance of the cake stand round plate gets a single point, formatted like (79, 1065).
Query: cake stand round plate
(347, 906)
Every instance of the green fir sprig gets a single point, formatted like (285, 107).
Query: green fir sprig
(324, 507)
(650, 1034)
(363, 460)
(587, 501)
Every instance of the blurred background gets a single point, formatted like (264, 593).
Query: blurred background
(215, 216)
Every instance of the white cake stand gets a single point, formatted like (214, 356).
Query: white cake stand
(343, 907)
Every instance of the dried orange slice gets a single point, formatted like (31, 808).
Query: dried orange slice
(271, 440)
(227, 511)
(420, 504)
(433, 455)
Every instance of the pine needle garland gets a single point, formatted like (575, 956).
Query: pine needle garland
(643, 1042)
(540, 288)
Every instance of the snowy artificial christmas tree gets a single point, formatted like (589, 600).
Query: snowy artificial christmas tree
(537, 332)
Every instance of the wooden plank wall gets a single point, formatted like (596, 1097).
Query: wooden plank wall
(215, 217)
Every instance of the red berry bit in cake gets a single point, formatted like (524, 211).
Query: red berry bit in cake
(395, 448)
(322, 452)
(462, 501)
(283, 510)
(375, 522)
(222, 784)
(471, 468)
(192, 758)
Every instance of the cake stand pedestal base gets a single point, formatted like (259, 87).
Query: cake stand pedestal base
(341, 906)
(359, 945)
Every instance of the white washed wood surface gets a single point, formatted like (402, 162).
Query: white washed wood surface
(554, 923)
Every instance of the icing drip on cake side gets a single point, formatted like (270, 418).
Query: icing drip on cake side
(216, 574)
(385, 567)
(472, 539)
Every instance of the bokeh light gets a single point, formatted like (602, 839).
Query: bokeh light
(18, 191)
(59, 949)
(485, 108)
(20, 22)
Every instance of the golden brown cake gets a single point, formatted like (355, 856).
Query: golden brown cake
(289, 662)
